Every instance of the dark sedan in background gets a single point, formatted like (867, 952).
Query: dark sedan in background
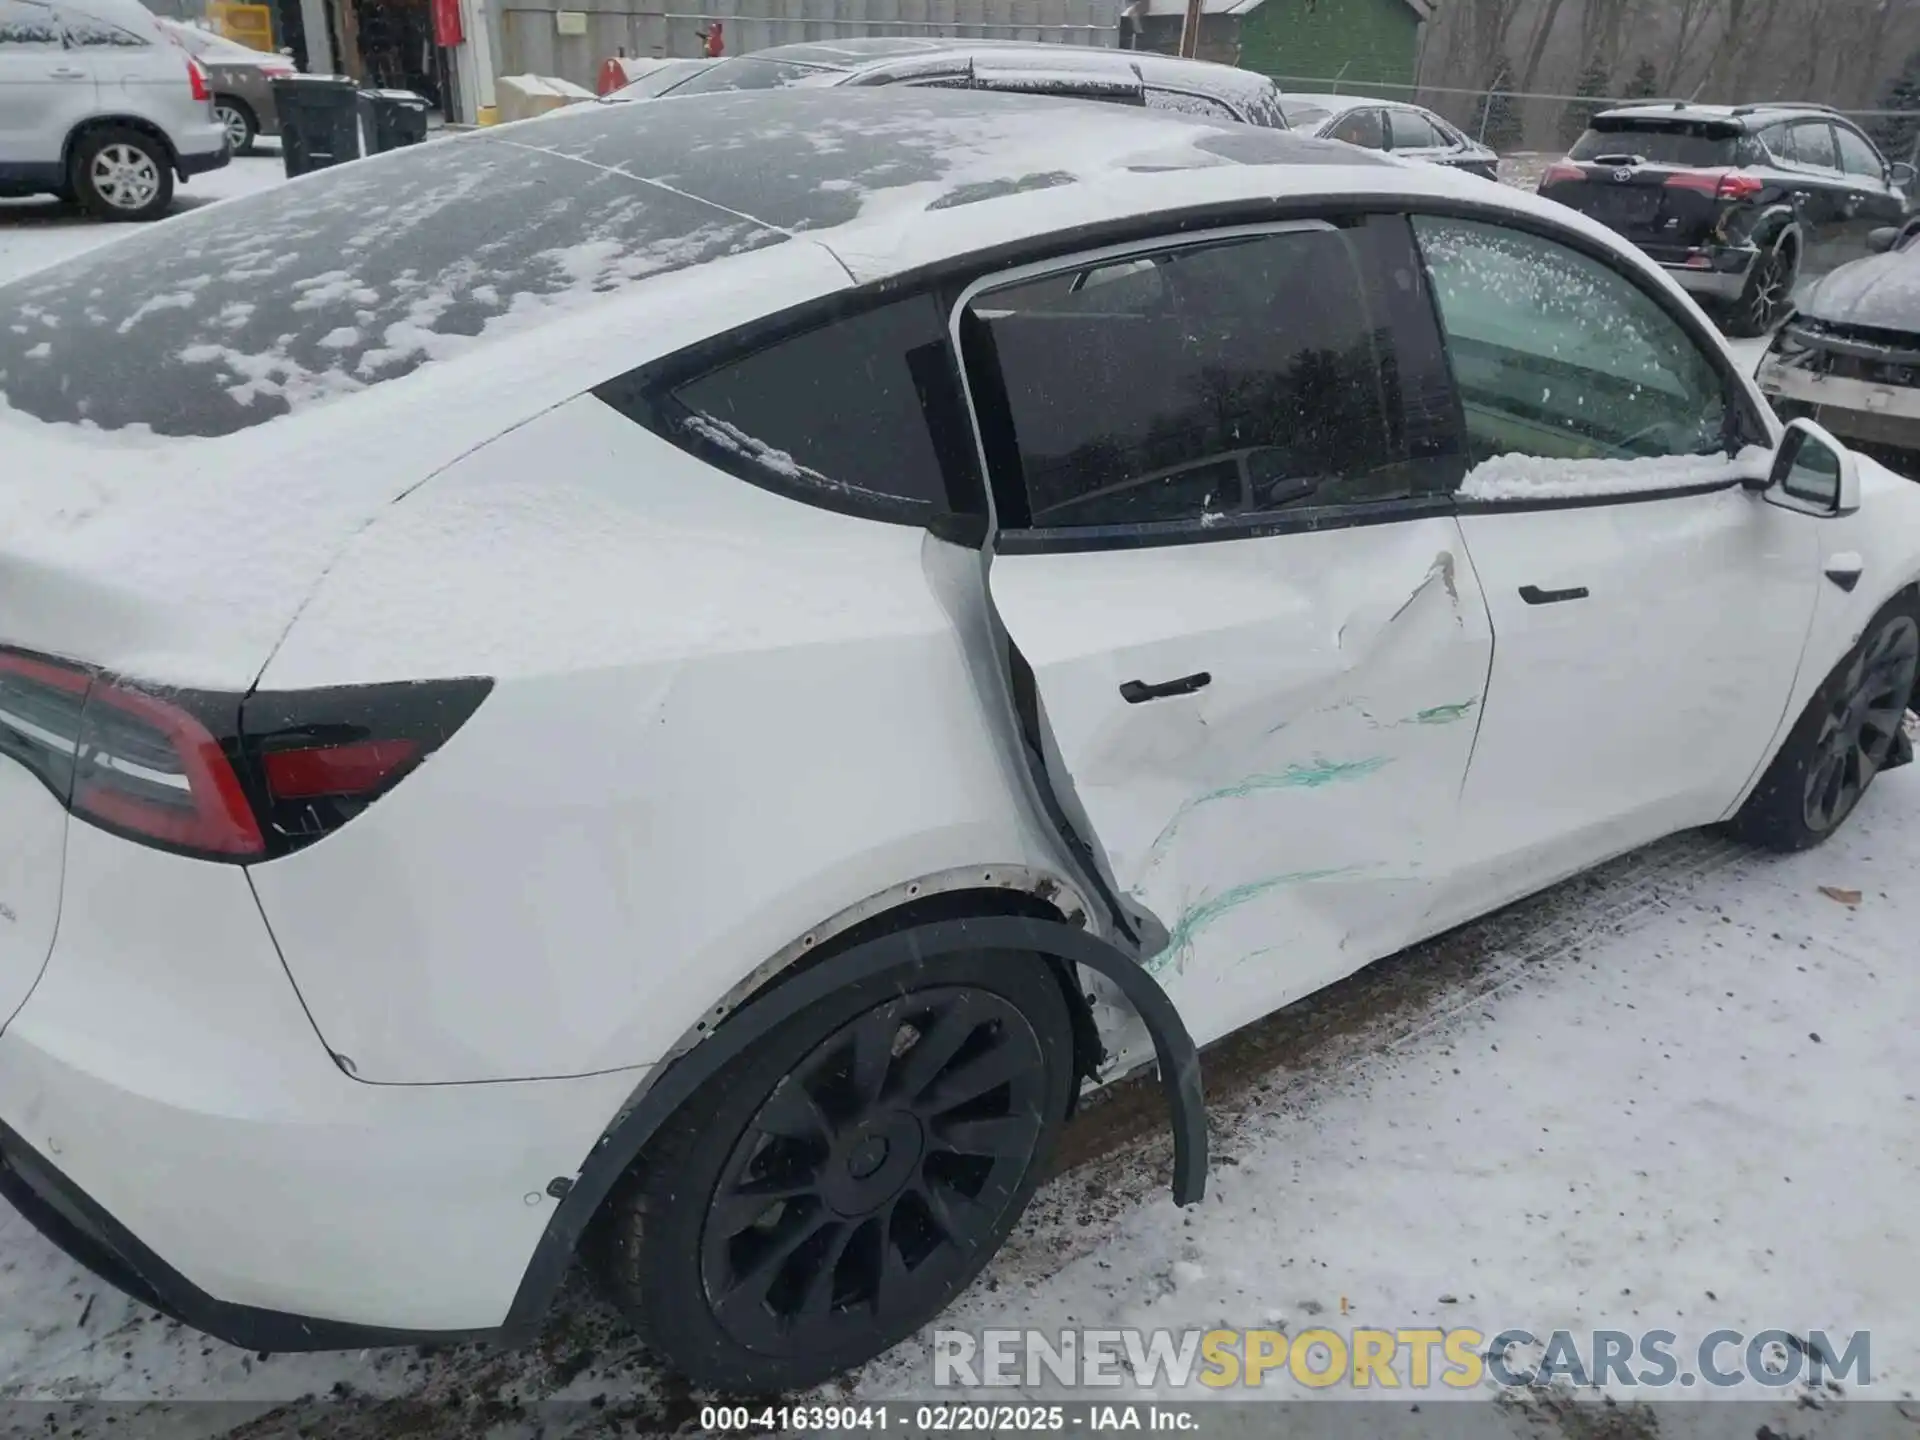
(241, 78)
(1406, 130)
(1127, 77)
(1849, 359)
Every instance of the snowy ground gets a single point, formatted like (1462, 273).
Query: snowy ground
(38, 232)
(1680, 1093)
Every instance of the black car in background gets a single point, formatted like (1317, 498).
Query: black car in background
(1738, 203)
(1849, 358)
(1401, 129)
(1085, 72)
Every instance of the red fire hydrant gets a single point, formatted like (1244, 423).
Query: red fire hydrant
(716, 40)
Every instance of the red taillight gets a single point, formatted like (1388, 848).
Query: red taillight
(219, 776)
(1721, 184)
(1561, 171)
(152, 770)
(342, 770)
(198, 79)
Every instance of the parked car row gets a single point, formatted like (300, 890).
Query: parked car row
(242, 80)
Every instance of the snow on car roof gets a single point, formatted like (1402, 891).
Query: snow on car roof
(228, 317)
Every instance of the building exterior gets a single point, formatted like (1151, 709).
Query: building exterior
(1356, 44)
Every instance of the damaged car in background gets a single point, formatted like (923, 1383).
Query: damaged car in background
(1850, 357)
(913, 603)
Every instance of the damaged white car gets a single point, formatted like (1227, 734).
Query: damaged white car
(671, 693)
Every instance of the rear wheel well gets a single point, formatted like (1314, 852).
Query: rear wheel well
(961, 904)
(96, 124)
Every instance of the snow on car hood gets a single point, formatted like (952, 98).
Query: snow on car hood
(1881, 292)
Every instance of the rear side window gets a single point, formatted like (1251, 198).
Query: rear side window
(1857, 157)
(90, 32)
(1412, 132)
(1362, 127)
(860, 413)
(27, 27)
(1690, 143)
(1242, 377)
(1813, 145)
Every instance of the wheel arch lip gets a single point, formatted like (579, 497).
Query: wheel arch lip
(669, 1085)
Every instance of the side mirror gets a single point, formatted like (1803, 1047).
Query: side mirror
(1880, 241)
(1814, 473)
(1901, 174)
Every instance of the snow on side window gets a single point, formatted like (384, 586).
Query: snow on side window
(27, 27)
(1560, 359)
(231, 316)
(1183, 103)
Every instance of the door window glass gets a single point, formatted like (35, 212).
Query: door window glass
(1857, 157)
(1362, 127)
(1412, 132)
(1558, 356)
(28, 27)
(1813, 145)
(1244, 375)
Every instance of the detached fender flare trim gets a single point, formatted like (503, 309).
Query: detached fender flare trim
(627, 1136)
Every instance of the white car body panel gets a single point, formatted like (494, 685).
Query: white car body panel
(1638, 710)
(165, 1065)
(45, 90)
(846, 648)
(1312, 789)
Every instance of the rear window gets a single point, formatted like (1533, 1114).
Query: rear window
(746, 73)
(1691, 143)
(227, 317)
(1300, 116)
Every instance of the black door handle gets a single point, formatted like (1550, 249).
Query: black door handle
(1534, 595)
(1134, 691)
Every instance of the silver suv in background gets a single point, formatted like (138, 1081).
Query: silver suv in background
(99, 107)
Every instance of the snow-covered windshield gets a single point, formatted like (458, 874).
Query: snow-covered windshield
(228, 317)
(744, 72)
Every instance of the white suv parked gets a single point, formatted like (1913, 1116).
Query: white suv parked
(98, 107)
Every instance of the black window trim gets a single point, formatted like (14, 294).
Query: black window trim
(947, 279)
(644, 395)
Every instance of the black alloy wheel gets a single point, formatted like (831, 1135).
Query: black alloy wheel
(836, 1186)
(1862, 723)
(1848, 733)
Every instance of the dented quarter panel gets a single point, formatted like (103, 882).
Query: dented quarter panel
(1286, 821)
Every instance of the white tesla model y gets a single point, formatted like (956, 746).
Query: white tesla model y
(668, 685)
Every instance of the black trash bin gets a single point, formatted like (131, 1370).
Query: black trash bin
(393, 118)
(319, 121)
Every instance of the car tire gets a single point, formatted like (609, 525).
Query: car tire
(1849, 732)
(1768, 293)
(826, 1193)
(236, 117)
(121, 174)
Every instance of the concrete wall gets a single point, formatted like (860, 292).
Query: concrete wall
(531, 39)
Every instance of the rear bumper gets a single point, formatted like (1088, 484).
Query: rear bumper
(169, 1118)
(1722, 276)
(199, 162)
